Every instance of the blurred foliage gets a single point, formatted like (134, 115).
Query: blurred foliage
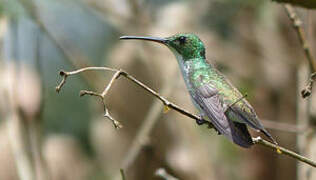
(223, 23)
(310, 4)
(12, 9)
(246, 39)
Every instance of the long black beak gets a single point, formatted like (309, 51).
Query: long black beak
(155, 39)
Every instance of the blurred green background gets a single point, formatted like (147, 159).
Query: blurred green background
(66, 136)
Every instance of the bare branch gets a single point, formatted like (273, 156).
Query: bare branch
(281, 150)
(116, 123)
(107, 88)
(119, 73)
(297, 24)
(171, 105)
(63, 81)
(102, 95)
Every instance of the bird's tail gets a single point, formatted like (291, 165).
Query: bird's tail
(240, 134)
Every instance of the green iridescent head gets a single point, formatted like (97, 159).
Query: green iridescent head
(189, 46)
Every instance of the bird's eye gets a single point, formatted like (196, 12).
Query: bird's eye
(182, 40)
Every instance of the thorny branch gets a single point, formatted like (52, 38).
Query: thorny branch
(297, 24)
(119, 72)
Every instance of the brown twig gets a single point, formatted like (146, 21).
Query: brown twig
(281, 150)
(297, 24)
(117, 74)
(171, 105)
(102, 95)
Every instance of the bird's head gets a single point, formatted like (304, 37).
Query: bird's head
(188, 46)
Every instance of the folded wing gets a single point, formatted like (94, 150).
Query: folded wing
(207, 98)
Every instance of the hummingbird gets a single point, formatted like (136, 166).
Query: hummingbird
(217, 100)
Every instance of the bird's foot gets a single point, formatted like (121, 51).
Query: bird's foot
(201, 121)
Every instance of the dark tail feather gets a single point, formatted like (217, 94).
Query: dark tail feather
(261, 128)
(240, 134)
(266, 133)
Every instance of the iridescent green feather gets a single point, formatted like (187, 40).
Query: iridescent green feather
(203, 73)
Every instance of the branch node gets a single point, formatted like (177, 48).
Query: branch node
(118, 75)
(297, 23)
(91, 93)
(313, 76)
(165, 101)
(63, 81)
(62, 73)
(307, 91)
(82, 93)
(116, 124)
(256, 139)
(122, 72)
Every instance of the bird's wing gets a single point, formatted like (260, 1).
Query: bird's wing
(246, 113)
(207, 97)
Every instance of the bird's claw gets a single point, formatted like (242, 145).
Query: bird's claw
(200, 121)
